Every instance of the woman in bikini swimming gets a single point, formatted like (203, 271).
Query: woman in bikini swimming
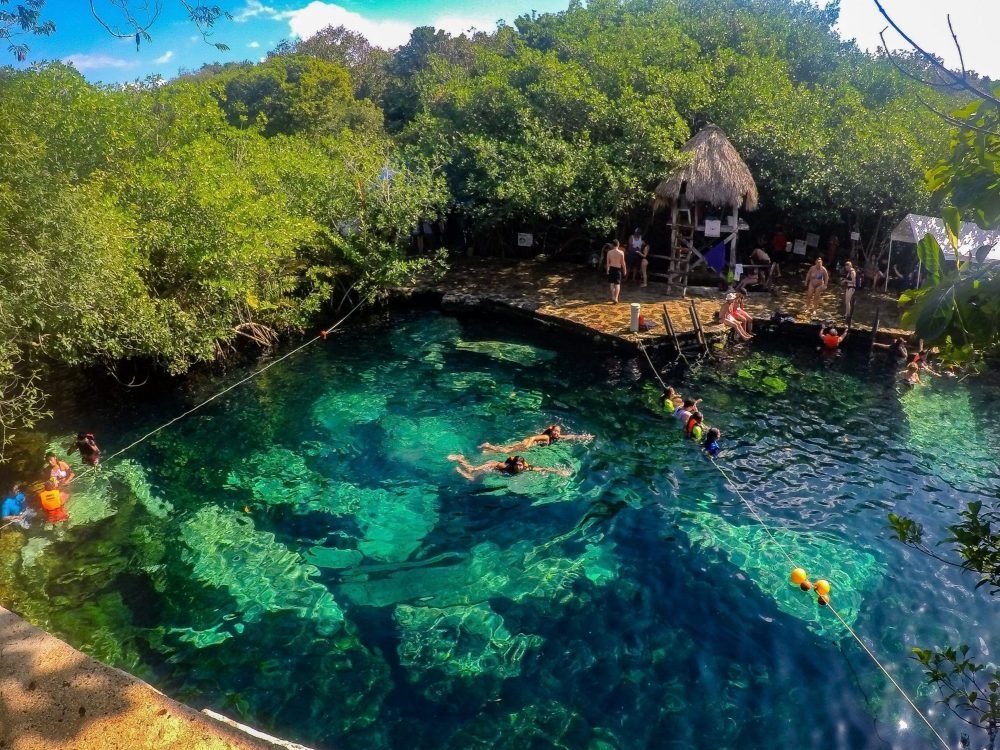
(551, 434)
(513, 466)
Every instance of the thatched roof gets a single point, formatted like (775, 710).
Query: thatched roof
(716, 174)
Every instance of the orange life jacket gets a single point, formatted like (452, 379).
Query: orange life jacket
(50, 499)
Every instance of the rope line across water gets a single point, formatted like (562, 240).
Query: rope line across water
(767, 530)
(735, 488)
(321, 335)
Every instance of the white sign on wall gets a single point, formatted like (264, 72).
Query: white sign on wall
(800, 247)
(812, 240)
(525, 239)
(713, 228)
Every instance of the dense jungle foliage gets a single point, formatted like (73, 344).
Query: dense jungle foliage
(168, 221)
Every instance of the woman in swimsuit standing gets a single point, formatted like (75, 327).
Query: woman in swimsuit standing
(816, 280)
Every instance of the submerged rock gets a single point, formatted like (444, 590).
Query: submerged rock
(224, 550)
(852, 573)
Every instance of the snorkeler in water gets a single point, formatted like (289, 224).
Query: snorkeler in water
(511, 467)
(551, 434)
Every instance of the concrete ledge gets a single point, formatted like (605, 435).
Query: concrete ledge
(52, 697)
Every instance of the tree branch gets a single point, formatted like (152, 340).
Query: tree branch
(960, 82)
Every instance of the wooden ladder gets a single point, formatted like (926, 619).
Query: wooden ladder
(680, 252)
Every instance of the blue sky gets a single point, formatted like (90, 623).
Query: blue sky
(258, 25)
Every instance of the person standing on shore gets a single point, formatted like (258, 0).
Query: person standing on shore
(817, 278)
(616, 269)
(850, 285)
(637, 256)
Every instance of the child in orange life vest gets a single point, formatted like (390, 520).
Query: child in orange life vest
(53, 502)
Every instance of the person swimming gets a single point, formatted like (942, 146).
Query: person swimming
(670, 399)
(87, 445)
(512, 466)
(683, 413)
(831, 337)
(14, 511)
(60, 472)
(711, 444)
(693, 429)
(550, 435)
(53, 502)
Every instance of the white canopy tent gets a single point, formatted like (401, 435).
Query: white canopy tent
(914, 228)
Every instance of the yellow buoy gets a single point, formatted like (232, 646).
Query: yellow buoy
(823, 587)
(799, 576)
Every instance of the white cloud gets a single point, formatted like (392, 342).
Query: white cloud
(85, 62)
(317, 15)
(253, 45)
(255, 8)
(165, 57)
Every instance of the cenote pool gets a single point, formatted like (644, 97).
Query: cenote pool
(300, 553)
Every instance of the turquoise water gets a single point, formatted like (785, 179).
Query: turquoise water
(301, 553)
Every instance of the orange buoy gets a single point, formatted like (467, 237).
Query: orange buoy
(805, 585)
(322, 334)
(823, 600)
(799, 576)
(823, 587)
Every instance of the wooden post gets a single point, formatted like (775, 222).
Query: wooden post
(736, 235)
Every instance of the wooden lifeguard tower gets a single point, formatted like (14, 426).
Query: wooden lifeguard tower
(715, 179)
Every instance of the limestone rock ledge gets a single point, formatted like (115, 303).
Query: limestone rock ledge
(52, 696)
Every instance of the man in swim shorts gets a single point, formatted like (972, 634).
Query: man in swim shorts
(615, 267)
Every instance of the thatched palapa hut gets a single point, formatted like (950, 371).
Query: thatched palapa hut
(716, 177)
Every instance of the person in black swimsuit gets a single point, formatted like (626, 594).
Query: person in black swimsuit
(513, 466)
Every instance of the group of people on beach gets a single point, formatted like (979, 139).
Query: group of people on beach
(50, 490)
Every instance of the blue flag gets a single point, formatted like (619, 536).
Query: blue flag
(716, 257)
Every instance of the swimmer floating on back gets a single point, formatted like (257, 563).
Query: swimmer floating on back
(551, 434)
(512, 466)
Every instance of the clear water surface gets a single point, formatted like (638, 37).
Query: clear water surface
(301, 553)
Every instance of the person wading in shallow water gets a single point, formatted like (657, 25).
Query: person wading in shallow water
(87, 446)
(615, 267)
